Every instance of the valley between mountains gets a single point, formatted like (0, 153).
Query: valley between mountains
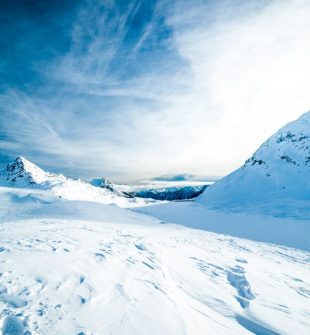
(92, 258)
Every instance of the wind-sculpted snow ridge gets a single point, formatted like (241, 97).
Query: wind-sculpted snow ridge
(74, 267)
(277, 172)
(24, 174)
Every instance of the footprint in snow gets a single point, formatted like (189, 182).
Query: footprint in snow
(241, 260)
(100, 255)
(140, 246)
(237, 279)
(12, 300)
(12, 325)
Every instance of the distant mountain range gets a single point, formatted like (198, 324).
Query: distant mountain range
(279, 169)
(24, 174)
(170, 193)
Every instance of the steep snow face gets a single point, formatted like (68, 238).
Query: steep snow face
(279, 169)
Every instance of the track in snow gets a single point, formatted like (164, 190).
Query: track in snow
(87, 277)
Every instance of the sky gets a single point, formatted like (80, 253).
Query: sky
(134, 90)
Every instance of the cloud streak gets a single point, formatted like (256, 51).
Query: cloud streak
(153, 88)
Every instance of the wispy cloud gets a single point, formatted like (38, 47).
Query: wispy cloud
(149, 88)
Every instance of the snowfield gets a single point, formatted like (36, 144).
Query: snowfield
(292, 231)
(73, 262)
(76, 267)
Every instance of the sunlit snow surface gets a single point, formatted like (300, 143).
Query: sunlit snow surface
(277, 173)
(75, 267)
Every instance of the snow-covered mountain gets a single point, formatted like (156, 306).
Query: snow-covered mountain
(24, 174)
(103, 183)
(278, 171)
(170, 193)
(107, 185)
(179, 191)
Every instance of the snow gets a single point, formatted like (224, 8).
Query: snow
(24, 174)
(106, 184)
(77, 267)
(277, 172)
(287, 231)
(170, 193)
(159, 190)
(233, 261)
(147, 184)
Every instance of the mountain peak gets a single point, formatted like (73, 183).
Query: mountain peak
(305, 116)
(279, 169)
(22, 161)
(22, 172)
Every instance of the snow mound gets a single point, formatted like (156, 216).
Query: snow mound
(277, 171)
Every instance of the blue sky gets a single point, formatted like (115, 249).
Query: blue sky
(138, 89)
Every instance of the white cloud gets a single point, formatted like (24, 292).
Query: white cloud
(233, 75)
(249, 77)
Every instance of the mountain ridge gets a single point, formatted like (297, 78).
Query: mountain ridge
(22, 173)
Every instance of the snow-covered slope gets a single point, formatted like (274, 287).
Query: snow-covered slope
(24, 174)
(74, 267)
(278, 171)
(292, 231)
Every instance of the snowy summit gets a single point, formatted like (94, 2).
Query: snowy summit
(23, 173)
(278, 170)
